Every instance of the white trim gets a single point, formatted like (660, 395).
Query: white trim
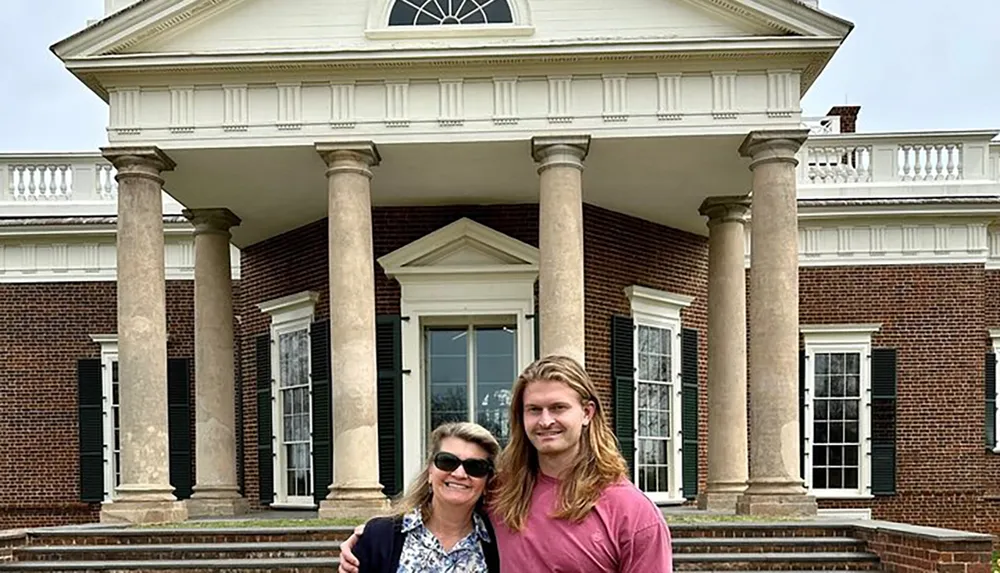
(660, 309)
(109, 355)
(291, 313)
(378, 24)
(291, 307)
(849, 338)
(494, 276)
(995, 336)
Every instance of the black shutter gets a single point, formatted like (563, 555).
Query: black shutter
(689, 411)
(991, 400)
(883, 422)
(623, 378)
(803, 446)
(179, 426)
(90, 393)
(322, 417)
(265, 451)
(537, 324)
(389, 358)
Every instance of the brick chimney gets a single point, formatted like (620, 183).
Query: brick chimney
(848, 117)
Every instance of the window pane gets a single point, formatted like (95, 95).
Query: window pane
(496, 363)
(822, 364)
(851, 478)
(447, 375)
(822, 386)
(819, 478)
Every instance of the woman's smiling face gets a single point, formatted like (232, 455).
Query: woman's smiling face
(457, 487)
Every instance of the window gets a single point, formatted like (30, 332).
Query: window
(993, 395)
(449, 12)
(111, 417)
(469, 372)
(657, 344)
(836, 441)
(291, 406)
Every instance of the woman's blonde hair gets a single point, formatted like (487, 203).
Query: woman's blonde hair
(598, 463)
(420, 492)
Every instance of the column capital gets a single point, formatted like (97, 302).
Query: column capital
(349, 157)
(126, 156)
(212, 221)
(725, 209)
(768, 146)
(560, 150)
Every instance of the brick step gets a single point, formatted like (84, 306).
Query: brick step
(290, 565)
(154, 536)
(748, 529)
(179, 551)
(766, 544)
(815, 561)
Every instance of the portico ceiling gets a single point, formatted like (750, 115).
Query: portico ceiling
(277, 189)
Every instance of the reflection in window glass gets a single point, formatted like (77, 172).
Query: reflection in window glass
(655, 388)
(836, 420)
(293, 349)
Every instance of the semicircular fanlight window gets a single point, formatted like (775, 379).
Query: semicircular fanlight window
(450, 12)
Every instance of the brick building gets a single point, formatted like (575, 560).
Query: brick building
(522, 189)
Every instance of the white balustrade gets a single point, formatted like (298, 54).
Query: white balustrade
(57, 177)
(907, 159)
(105, 185)
(40, 182)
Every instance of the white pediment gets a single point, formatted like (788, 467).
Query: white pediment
(463, 247)
(186, 27)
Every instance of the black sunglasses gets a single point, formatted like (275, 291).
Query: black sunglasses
(475, 467)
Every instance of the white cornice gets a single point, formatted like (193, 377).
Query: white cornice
(291, 306)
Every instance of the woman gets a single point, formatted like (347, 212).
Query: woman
(441, 524)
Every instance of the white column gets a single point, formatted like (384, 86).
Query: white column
(775, 486)
(727, 352)
(145, 494)
(355, 491)
(560, 243)
(216, 491)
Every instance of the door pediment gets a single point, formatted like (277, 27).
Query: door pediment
(463, 247)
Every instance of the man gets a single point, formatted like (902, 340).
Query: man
(563, 501)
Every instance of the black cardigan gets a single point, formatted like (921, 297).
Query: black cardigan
(381, 546)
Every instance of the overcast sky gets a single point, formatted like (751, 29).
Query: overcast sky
(910, 64)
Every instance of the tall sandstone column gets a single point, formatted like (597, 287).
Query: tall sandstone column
(776, 486)
(216, 491)
(145, 494)
(560, 243)
(355, 491)
(727, 352)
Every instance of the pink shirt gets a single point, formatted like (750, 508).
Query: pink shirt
(625, 533)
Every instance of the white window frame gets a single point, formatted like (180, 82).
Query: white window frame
(840, 338)
(289, 314)
(109, 355)
(378, 25)
(661, 309)
(995, 337)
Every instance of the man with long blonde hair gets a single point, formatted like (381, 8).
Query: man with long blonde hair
(562, 499)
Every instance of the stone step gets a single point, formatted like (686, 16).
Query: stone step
(753, 529)
(152, 536)
(179, 551)
(766, 544)
(290, 565)
(819, 560)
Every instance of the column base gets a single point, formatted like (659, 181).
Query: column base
(216, 503)
(354, 502)
(724, 501)
(142, 512)
(776, 505)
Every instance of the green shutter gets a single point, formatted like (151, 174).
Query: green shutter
(322, 417)
(623, 378)
(389, 358)
(803, 446)
(883, 421)
(689, 411)
(90, 393)
(265, 450)
(179, 426)
(991, 400)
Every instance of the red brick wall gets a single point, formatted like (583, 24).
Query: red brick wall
(619, 251)
(936, 317)
(47, 328)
